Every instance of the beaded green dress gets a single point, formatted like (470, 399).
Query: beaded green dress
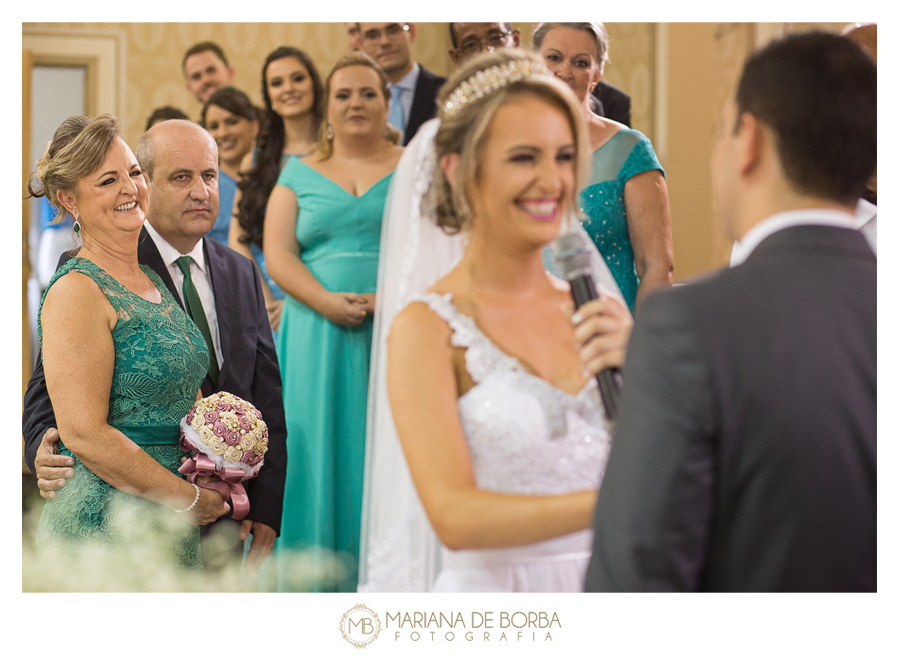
(161, 359)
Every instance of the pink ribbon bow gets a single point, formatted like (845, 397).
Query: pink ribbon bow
(229, 484)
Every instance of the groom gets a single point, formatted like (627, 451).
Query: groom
(744, 456)
(180, 161)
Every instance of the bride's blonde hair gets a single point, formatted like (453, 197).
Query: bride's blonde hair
(465, 118)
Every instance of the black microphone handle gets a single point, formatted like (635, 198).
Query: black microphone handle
(583, 291)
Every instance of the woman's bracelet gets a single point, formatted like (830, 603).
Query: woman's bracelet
(191, 506)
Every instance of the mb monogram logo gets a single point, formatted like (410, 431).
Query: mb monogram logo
(360, 626)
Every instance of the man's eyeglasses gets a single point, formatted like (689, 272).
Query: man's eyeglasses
(495, 40)
(390, 32)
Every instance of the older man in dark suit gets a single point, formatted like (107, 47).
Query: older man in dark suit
(180, 160)
(744, 456)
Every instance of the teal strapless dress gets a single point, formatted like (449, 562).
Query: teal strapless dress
(160, 362)
(325, 372)
(626, 154)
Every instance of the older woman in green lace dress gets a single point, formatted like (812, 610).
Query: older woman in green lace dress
(123, 362)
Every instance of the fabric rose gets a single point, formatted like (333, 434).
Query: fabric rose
(247, 442)
(217, 447)
(232, 438)
(233, 454)
(206, 434)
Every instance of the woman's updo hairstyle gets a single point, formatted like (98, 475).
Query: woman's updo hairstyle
(465, 118)
(79, 146)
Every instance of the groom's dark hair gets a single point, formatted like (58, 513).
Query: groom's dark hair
(817, 93)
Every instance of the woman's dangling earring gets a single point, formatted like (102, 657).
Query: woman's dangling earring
(329, 131)
(76, 226)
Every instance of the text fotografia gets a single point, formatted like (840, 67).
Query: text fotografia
(479, 626)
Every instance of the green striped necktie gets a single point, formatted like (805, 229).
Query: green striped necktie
(197, 314)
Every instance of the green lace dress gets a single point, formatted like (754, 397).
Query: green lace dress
(161, 360)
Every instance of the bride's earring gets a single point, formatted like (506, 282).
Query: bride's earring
(329, 131)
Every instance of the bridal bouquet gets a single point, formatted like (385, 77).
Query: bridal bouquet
(228, 439)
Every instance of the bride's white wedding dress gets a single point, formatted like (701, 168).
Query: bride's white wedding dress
(525, 436)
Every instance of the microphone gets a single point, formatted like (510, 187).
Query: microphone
(573, 257)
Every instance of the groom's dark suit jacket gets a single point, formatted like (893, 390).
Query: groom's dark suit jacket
(249, 367)
(744, 454)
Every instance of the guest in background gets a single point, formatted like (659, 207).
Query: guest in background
(106, 322)
(470, 39)
(626, 201)
(292, 96)
(164, 114)
(206, 69)
(322, 233)
(179, 160)
(353, 41)
(613, 103)
(231, 119)
(745, 450)
(413, 88)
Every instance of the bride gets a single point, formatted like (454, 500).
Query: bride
(502, 431)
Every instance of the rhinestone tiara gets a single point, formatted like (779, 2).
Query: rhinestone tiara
(484, 82)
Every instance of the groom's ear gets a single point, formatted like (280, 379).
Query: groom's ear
(449, 164)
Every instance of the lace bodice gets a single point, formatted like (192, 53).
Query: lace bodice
(525, 435)
(161, 356)
(160, 362)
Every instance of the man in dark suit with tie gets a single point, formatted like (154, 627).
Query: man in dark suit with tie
(224, 298)
(413, 88)
(744, 454)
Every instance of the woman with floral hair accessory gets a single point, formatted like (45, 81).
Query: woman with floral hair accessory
(503, 435)
(625, 200)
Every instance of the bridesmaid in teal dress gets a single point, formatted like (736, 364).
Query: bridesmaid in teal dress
(321, 241)
(625, 202)
(123, 362)
(292, 100)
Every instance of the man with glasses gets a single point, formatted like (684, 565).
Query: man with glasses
(470, 39)
(413, 88)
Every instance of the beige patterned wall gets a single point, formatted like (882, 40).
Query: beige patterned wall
(153, 53)
(705, 56)
(699, 243)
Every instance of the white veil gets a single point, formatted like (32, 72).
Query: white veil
(399, 551)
